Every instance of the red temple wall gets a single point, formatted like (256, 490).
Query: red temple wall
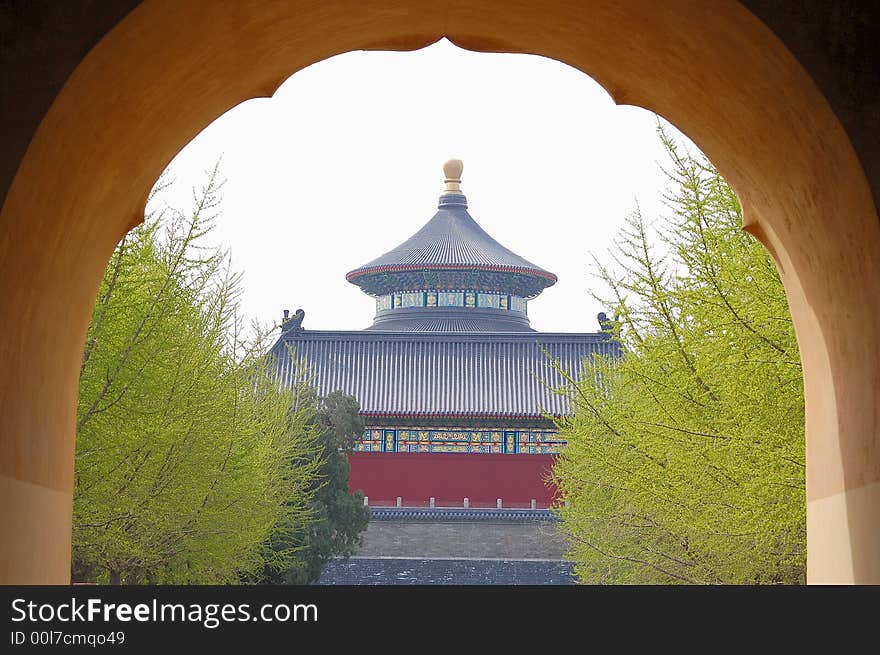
(451, 477)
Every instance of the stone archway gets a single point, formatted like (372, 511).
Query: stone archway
(169, 68)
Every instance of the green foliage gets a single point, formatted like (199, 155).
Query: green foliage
(188, 455)
(339, 517)
(686, 457)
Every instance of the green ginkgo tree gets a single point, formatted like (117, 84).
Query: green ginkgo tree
(189, 455)
(685, 457)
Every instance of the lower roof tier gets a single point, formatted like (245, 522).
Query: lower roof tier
(442, 375)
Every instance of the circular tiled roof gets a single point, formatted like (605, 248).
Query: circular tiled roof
(452, 241)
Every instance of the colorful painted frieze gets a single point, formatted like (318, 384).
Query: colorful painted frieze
(459, 440)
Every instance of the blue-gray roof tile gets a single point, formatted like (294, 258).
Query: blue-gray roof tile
(443, 374)
(451, 240)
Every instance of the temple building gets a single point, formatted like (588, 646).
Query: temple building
(456, 388)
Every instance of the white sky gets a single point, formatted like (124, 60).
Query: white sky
(345, 162)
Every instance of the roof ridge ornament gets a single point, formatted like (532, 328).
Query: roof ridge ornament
(292, 323)
(452, 170)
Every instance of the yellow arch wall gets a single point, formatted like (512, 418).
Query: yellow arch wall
(172, 66)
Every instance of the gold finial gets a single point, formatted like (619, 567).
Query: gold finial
(452, 169)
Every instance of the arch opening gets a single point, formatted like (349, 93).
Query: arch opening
(716, 73)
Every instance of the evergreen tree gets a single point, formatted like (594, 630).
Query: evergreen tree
(685, 458)
(339, 517)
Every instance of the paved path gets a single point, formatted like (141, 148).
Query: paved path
(407, 571)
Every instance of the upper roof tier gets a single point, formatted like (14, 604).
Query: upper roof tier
(451, 252)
